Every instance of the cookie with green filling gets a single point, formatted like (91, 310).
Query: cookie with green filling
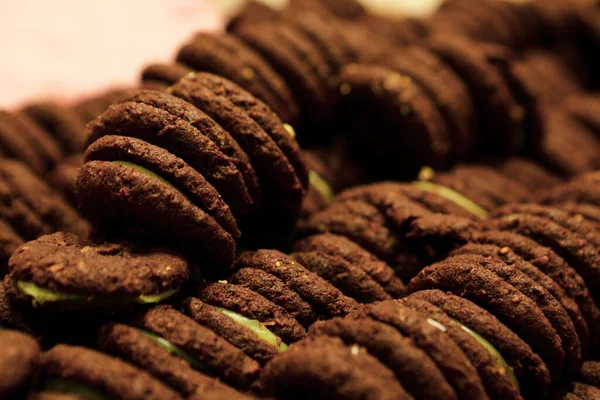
(495, 103)
(303, 293)
(588, 212)
(228, 56)
(92, 106)
(530, 174)
(496, 375)
(382, 100)
(530, 371)
(159, 357)
(63, 271)
(202, 348)
(273, 153)
(472, 278)
(63, 124)
(578, 191)
(447, 355)
(251, 305)
(161, 76)
(325, 368)
(89, 374)
(18, 361)
(31, 207)
(412, 366)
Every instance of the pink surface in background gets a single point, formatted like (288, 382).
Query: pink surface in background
(64, 49)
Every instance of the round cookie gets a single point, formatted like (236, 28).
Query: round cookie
(497, 377)
(201, 347)
(529, 369)
(18, 361)
(9, 242)
(324, 368)
(578, 191)
(161, 76)
(413, 367)
(528, 173)
(83, 372)
(449, 358)
(66, 272)
(33, 208)
(376, 90)
(251, 305)
(588, 212)
(496, 105)
(63, 124)
(91, 107)
(590, 373)
(319, 293)
(512, 307)
(14, 144)
(252, 12)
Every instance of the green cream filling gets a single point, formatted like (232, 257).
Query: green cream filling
(257, 327)
(144, 171)
(321, 185)
(454, 196)
(495, 353)
(67, 386)
(500, 361)
(42, 295)
(174, 350)
(290, 130)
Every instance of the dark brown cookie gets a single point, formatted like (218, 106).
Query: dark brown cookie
(529, 369)
(413, 367)
(64, 176)
(161, 76)
(18, 361)
(62, 123)
(513, 308)
(497, 377)
(531, 175)
(63, 270)
(449, 358)
(588, 212)
(9, 241)
(91, 107)
(65, 368)
(275, 289)
(14, 144)
(32, 207)
(241, 300)
(324, 297)
(205, 347)
(324, 368)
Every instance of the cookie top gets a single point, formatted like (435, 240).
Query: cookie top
(78, 370)
(65, 269)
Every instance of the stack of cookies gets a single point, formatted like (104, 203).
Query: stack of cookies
(321, 203)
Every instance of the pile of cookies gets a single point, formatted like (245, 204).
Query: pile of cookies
(318, 203)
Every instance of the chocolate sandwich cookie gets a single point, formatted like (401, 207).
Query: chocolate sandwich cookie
(227, 56)
(63, 124)
(365, 225)
(590, 373)
(497, 377)
(161, 76)
(474, 278)
(202, 348)
(252, 12)
(565, 137)
(63, 271)
(528, 173)
(324, 368)
(14, 144)
(588, 212)
(565, 235)
(31, 207)
(91, 107)
(512, 259)
(11, 316)
(9, 241)
(18, 361)
(576, 190)
(344, 9)
(370, 92)
(446, 89)
(251, 305)
(272, 151)
(64, 176)
(530, 371)
(551, 264)
(86, 373)
(323, 298)
(496, 106)
(355, 263)
(413, 367)
(449, 358)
